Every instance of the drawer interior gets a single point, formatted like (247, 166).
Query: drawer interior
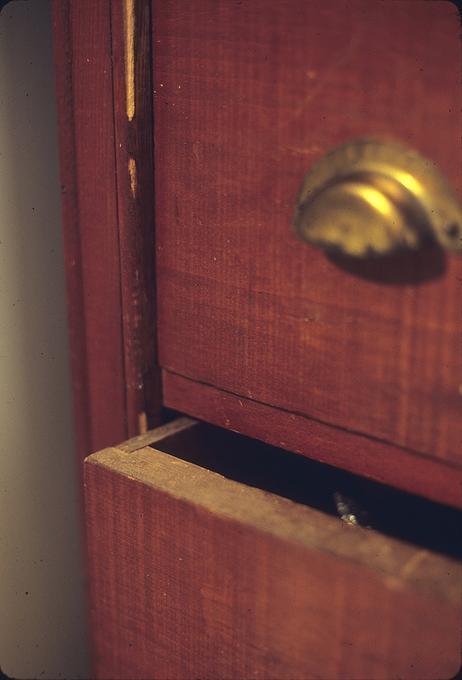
(316, 485)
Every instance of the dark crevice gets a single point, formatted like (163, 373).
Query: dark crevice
(320, 486)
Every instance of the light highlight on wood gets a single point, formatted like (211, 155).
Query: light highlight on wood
(129, 26)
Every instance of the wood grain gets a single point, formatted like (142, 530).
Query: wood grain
(386, 463)
(89, 200)
(196, 575)
(107, 231)
(246, 99)
(135, 202)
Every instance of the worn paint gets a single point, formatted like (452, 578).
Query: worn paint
(129, 26)
(133, 176)
(142, 423)
(413, 563)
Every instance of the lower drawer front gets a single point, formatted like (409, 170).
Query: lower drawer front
(194, 574)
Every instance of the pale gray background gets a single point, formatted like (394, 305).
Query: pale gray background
(42, 613)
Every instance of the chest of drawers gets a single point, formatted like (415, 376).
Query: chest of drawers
(223, 108)
(186, 132)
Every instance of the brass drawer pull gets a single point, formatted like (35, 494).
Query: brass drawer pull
(371, 198)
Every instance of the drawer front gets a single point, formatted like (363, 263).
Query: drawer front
(195, 575)
(247, 97)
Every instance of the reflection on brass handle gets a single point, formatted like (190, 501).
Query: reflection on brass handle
(371, 198)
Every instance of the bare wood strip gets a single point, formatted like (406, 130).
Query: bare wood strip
(133, 143)
(163, 432)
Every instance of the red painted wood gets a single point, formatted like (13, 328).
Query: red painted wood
(135, 201)
(430, 477)
(247, 97)
(86, 125)
(108, 233)
(194, 575)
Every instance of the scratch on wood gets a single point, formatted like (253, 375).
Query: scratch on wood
(312, 150)
(129, 25)
(413, 563)
(133, 176)
(340, 60)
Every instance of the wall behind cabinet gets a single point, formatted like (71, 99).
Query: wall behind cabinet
(42, 623)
